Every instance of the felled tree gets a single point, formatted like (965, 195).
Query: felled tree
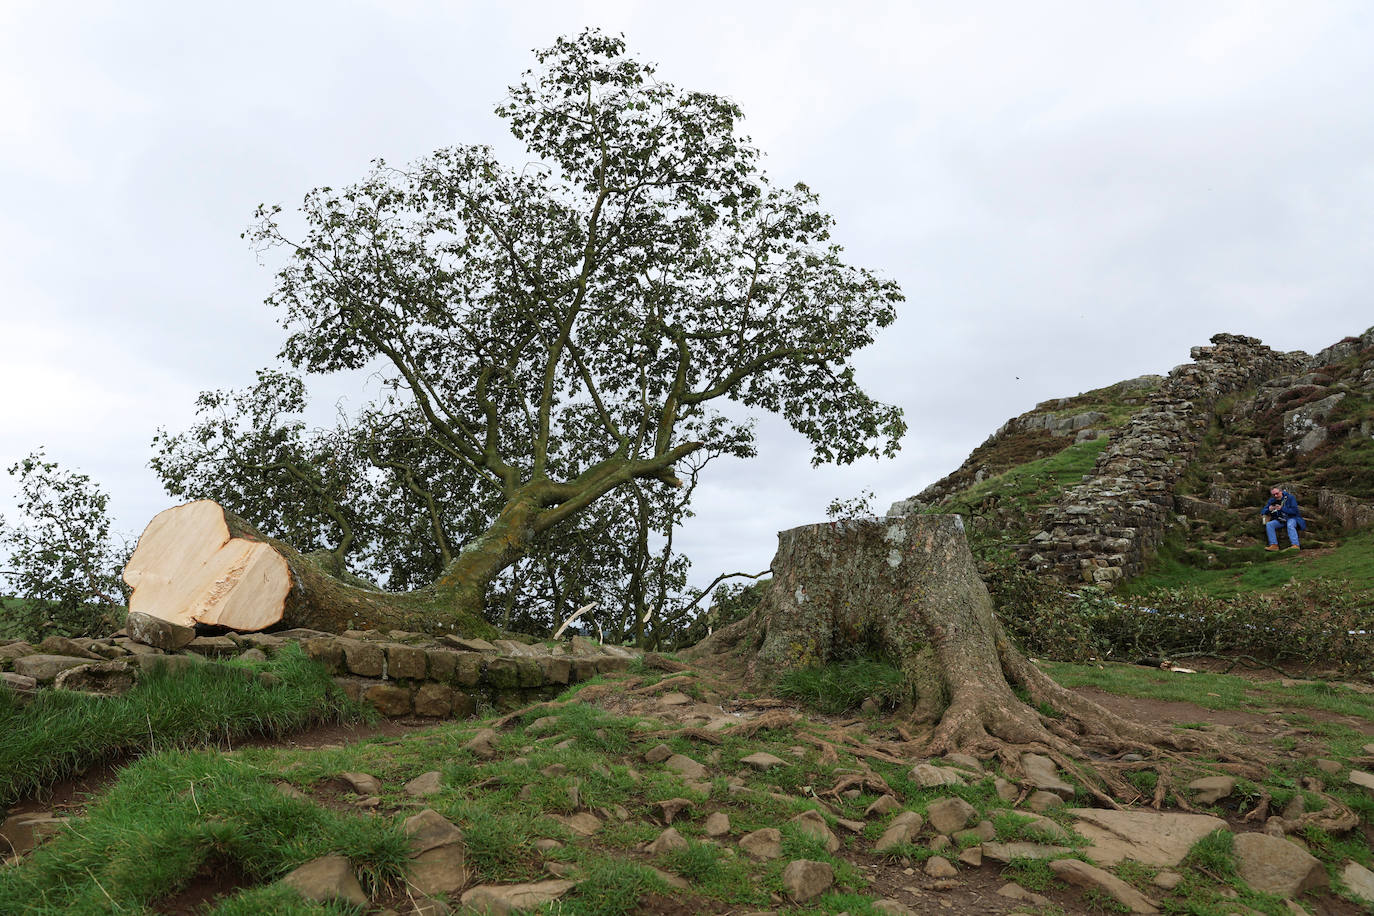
(907, 588)
(568, 327)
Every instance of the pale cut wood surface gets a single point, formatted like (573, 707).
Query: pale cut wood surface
(188, 569)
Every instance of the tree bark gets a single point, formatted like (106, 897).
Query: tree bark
(200, 563)
(907, 589)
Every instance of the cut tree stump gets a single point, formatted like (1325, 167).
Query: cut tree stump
(907, 589)
(200, 563)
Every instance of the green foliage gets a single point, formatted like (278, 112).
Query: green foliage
(840, 686)
(60, 733)
(63, 564)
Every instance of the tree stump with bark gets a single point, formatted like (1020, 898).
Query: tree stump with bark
(199, 563)
(907, 589)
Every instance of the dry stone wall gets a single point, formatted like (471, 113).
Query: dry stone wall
(1103, 529)
(398, 673)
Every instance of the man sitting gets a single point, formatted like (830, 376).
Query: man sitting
(1282, 510)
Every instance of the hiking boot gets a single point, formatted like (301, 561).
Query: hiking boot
(1292, 547)
(1272, 547)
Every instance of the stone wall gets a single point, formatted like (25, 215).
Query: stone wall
(398, 673)
(1102, 530)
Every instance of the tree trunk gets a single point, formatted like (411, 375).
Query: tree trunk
(199, 563)
(907, 589)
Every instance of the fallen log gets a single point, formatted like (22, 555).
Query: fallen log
(200, 563)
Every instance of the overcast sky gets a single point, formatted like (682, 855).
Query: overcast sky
(1069, 194)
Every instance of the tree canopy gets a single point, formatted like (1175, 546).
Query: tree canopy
(556, 331)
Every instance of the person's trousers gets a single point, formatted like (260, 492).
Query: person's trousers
(1272, 529)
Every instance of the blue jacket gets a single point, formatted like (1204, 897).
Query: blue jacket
(1285, 508)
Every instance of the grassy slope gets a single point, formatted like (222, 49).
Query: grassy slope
(172, 814)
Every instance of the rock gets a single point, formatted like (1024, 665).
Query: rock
(1167, 880)
(1329, 767)
(667, 841)
(1007, 791)
(429, 830)
(939, 843)
(61, 645)
(851, 826)
(973, 856)
(18, 682)
(686, 766)
(17, 650)
(762, 761)
(718, 824)
(763, 844)
(45, 668)
(1211, 789)
(928, 776)
(903, 829)
(1013, 891)
(482, 744)
(327, 879)
(422, 905)
(983, 833)
(1296, 808)
(433, 700)
(1084, 875)
(362, 783)
(391, 700)
(803, 879)
(1357, 777)
(1040, 801)
(442, 870)
(964, 761)
(949, 814)
(1044, 775)
(813, 824)
(1048, 829)
(1359, 881)
(675, 699)
(883, 805)
(405, 662)
(1148, 837)
(20, 833)
(658, 753)
(889, 907)
(940, 867)
(106, 679)
(425, 784)
(672, 807)
(582, 823)
(253, 655)
(213, 646)
(1276, 866)
(1005, 852)
(512, 898)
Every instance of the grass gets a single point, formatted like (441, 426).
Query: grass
(59, 734)
(1033, 483)
(838, 687)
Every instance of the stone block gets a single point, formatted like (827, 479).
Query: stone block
(468, 667)
(612, 665)
(213, 646)
(388, 699)
(440, 663)
(434, 700)
(502, 673)
(464, 705)
(584, 669)
(46, 668)
(405, 662)
(555, 670)
(362, 658)
(154, 631)
(529, 672)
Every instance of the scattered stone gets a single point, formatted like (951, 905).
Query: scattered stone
(685, 766)
(1090, 876)
(61, 645)
(442, 870)
(983, 833)
(851, 826)
(1167, 880)
(763, 844)
(889, 907)
(1149, 837)
(544, 844)
(973, 856)
(940, 867)
(940, 842)
(213, 646)
(1329, 767)
(803, 879)
(813, 824)
(675, 699)
(154, 631)
(290, 791)
(929, 776)
(1005, 852)
(18, 682)
(1044, 775)
(1013, 891)
(902, 829)
(253, 655)
(668, 841)
(718, 824)
(362, 783)
(1357, 777)
(883, 805)
(582, 823)
(1296, 808)
(482, 744)
(966, 761)
(1040, 801)
(763, 761)
(327, 879)
(658, 753)
(554, 770)
(511, 898)
(106, 679)
(1047, 828)
(949, 814)
(425, 784)
(673, 807)
(1276, 866)
(45, 668)
(1359, 881)
(372, 801)
(1212, 789)
(20, 833)
(1007, 791)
